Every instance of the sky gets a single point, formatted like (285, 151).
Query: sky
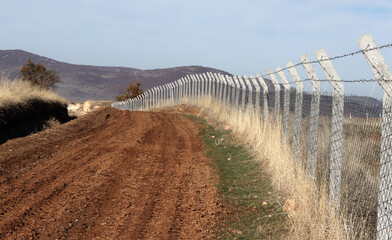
(243, 37)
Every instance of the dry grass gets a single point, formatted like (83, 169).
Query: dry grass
(18, 91)
(313, 217)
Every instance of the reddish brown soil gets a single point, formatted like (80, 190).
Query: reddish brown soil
(109, 175)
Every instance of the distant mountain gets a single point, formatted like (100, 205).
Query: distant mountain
(83, 82)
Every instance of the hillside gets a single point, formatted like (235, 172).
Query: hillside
(82, 82)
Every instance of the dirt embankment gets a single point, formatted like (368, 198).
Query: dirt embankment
(108, 175)
(21, 119)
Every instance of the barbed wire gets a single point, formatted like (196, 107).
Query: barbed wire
(389, 45)
(342, 80)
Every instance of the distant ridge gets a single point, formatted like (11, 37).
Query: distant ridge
(83, 82)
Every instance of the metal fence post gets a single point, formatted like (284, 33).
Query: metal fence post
(299, 95)
(286, 104)
(277, 94)
(337, 125)
(384, 77)
(265, 97)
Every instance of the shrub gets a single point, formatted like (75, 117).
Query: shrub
(38, 75)
(132, 91)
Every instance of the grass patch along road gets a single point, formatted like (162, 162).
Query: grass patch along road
(250, 212)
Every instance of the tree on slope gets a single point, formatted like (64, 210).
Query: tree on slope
(132, 91)
(38, 75)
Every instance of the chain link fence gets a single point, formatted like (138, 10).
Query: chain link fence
(343, 142)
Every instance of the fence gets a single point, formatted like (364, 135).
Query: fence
(344, 143)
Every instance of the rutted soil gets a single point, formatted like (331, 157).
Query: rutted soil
(109, 175)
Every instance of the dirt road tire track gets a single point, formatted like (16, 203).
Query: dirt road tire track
(109, 175)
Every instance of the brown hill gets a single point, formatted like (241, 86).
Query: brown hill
(82, 82)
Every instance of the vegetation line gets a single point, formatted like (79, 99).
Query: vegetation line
(249, 209)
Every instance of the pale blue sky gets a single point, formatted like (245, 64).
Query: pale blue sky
(241, 37)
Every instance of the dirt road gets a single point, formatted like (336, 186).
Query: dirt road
(109, 175)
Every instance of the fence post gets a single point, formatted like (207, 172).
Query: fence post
(167, 93)
(147, 99)
(180, 85)
(194, 89)
(189, 89)
(152, 97)
(201, 86)
(172, 90)
(257, 98)
(225, 89)
(163, 95)
(286, 104)
(299, 95)
(175, 83)
(209, 79)
(232, 91)
(217, 87)
(384, 77)
(265, 97)
(314, 116)
(249, 106)
(156, 96)
(229, 88)
(221, 88)
(277, 94)
(183, 94)
(237, 93)
(337, 125)
(197, 88)
(243, 92)
(207, 85)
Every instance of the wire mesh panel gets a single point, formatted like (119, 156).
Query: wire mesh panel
(343, 141)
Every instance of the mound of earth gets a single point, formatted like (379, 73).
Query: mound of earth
(109, 174)
(18, 120)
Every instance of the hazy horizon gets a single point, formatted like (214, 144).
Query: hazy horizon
(240, 37)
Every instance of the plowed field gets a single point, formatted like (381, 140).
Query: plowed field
(109, 175)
